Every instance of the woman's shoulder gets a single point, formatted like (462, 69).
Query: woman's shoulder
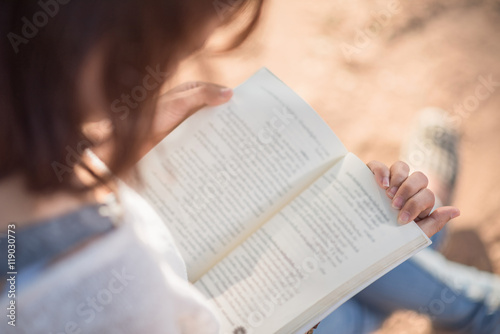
(123, 280)
(124, 288)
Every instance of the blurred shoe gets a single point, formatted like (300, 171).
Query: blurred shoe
(432, 148)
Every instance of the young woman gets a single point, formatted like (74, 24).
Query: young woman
(88, 261)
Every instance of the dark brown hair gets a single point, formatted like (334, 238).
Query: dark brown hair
(44, 47)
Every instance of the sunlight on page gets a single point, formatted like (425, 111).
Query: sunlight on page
(338, 235)
(221, 174)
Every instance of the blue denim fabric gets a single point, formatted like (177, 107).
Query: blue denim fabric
(411, 286)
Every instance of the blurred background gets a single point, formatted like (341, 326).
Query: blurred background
(367, 67)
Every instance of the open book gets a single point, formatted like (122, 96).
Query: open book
(277, 222)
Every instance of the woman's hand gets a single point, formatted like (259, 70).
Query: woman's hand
(410, 195)
(181, 102)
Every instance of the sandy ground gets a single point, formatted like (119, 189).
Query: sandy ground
(368, 67)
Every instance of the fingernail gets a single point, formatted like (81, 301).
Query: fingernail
(226, 92)
(385, 181)
(404, 217)
(397, 203)
(455, 214)
(392, 192)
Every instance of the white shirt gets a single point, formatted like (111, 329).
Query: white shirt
(132, 280)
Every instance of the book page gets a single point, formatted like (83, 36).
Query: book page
(330, 241)
(218, 176)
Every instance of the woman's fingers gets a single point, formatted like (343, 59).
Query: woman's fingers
(436, 221)
(181, 102)
(192, 96)
(207, 94)
(419, 205)
(408, 188)
(410, 195)
(381, 172)
(189, 86)
(399, 172)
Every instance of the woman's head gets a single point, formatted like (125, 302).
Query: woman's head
(59, 53)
